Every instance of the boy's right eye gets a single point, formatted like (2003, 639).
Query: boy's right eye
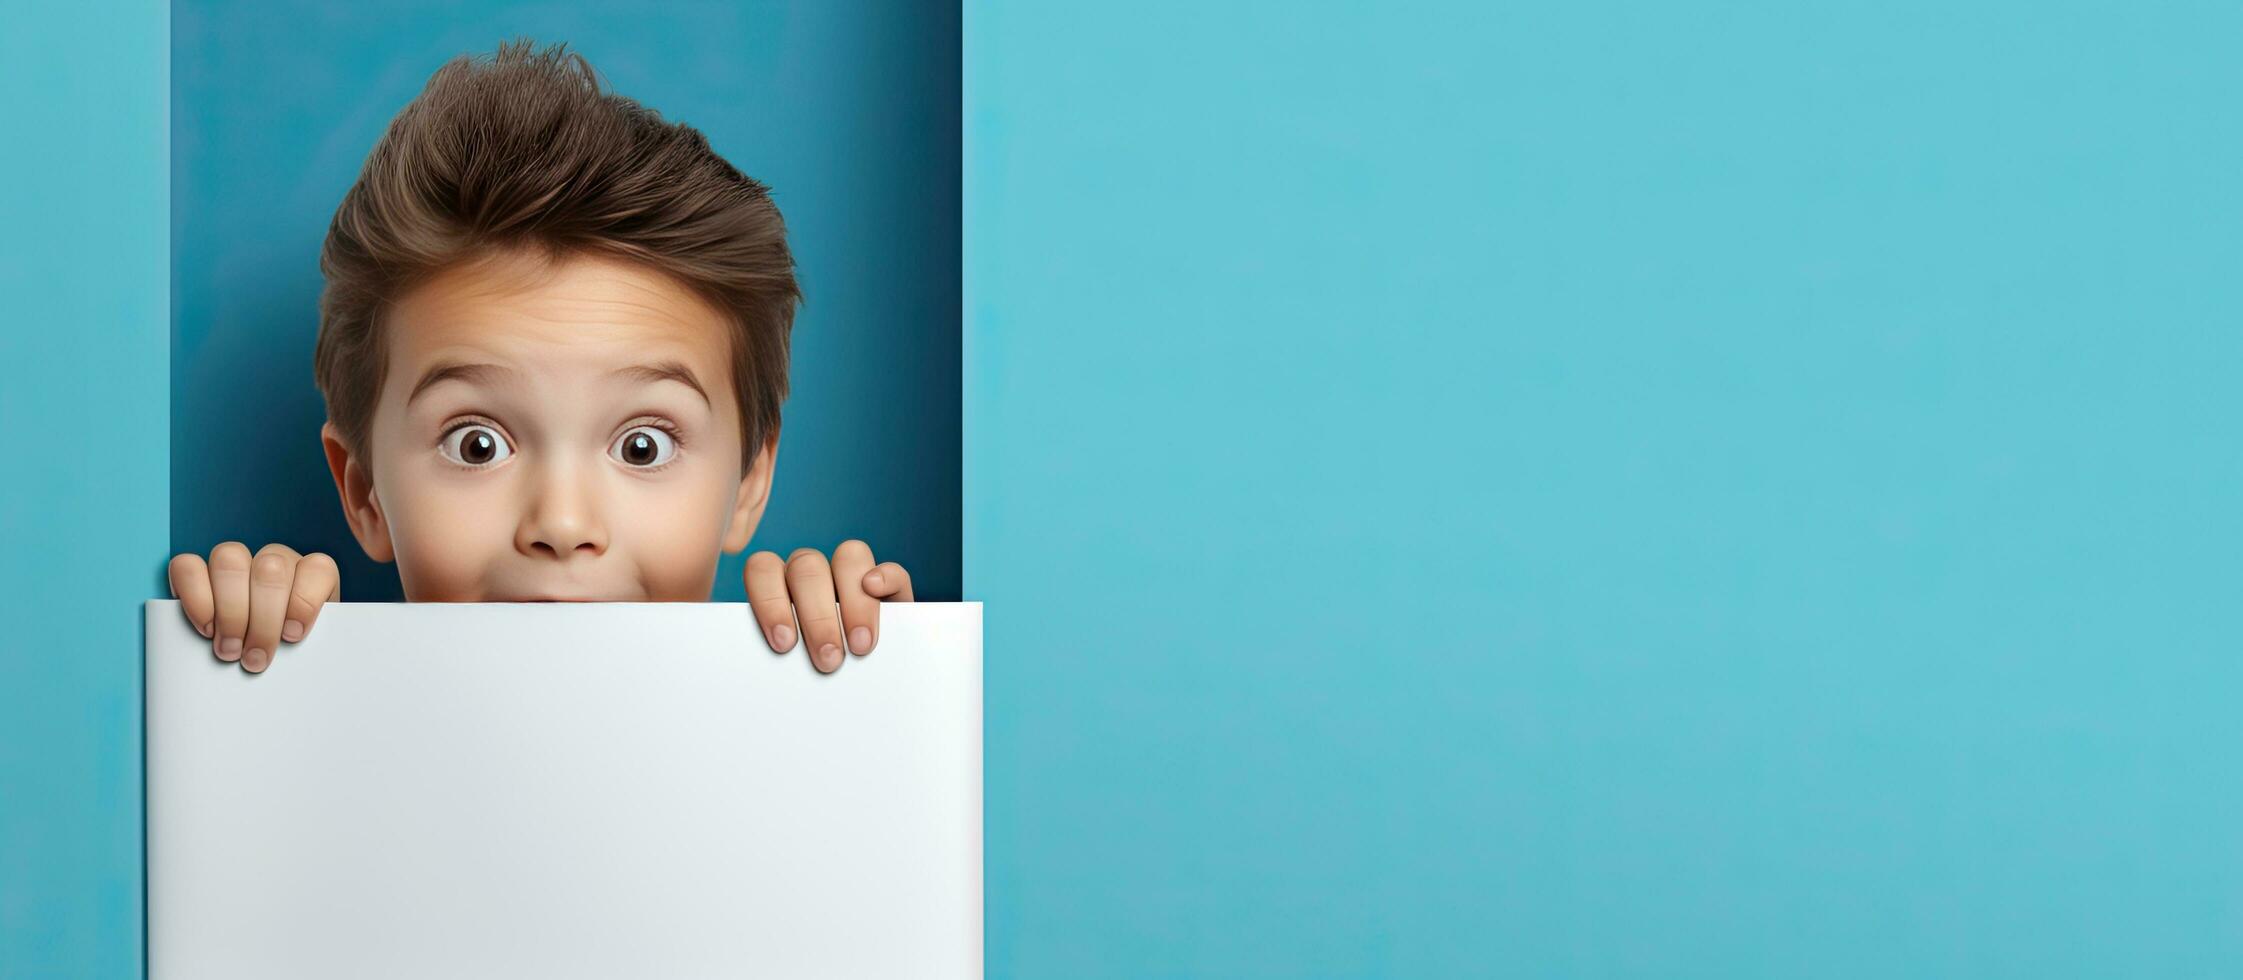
(475, 445)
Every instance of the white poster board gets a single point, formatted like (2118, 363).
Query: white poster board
(565, 790)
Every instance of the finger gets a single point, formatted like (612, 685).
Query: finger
(270, 575)
(229, 588)
(860, 613)
(767, 595)
(318, 582)
(190, 584)
(810, 584)
(889, 582)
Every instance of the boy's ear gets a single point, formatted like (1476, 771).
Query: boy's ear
(755, 491)
(356, 485)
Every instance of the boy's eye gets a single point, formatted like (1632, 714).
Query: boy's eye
(475, 445)
(646, 446)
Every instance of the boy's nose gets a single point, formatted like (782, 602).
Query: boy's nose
(562, 522)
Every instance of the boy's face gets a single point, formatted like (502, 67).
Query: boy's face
(577, 463)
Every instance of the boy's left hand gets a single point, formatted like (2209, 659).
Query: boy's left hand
(805, 585)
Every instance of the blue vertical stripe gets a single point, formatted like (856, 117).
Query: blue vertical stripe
(85, 493)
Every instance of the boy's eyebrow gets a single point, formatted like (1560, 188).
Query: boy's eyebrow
(664, 371)
(447, 371)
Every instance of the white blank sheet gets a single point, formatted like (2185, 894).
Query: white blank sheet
(565, 790)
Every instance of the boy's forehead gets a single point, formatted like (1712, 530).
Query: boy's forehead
(584, 311)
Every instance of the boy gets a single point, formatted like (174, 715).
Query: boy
(553, 346)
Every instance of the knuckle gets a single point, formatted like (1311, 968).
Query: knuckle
(765, 560)
(276, 548)
(853, 549)
(806, 558)
(231, 556)
(271, 569)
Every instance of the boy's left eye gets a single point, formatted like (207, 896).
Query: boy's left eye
(646, 445)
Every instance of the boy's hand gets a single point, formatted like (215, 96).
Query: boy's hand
(246, 605)
(804, 583)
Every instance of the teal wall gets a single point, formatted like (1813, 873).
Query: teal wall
(85, 495)
(1607, 489)
(848, 110)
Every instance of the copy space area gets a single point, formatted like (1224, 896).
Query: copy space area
(565, 790)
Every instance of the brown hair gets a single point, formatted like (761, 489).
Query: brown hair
(523, 151)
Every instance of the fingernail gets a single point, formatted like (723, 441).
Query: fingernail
(292, 631)
(860, 639)
(782, 637)
(255, 659)
(203, 628)
(229, 649)
(876, 580)
(829, 657)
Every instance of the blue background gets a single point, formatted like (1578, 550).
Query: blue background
(1577, 489)
(1607, 489)
(85, 484)
(848, 110)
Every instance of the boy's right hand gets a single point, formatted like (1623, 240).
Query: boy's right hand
(248, 605)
